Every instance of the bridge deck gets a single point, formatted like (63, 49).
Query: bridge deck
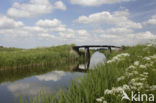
(88, 46)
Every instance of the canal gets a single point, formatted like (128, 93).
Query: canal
(29, 83)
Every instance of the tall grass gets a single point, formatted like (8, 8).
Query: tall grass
(20, 73)
(13, 57)
(105, 77)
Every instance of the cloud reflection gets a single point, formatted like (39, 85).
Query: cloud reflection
(52, 76)
(97, 58)
(26, 89)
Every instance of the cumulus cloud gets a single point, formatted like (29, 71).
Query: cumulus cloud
(60, 5)
(6, 22)
(131, 38)
(151, 21)
(114, 31)
(34, 8)
(118, 18)
(42, 33)
(49, 23)
(96, 2)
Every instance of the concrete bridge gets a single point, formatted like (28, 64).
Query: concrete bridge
(87, 47)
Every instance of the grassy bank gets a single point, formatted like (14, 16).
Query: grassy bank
(14, 58)
(133, 69)
(11, 75)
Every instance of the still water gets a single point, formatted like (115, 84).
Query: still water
(28, 82)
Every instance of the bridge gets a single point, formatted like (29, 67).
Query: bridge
(87, 47)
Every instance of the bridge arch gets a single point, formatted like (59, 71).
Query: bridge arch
(87, 48)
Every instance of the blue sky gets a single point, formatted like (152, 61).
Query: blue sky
(37, 23)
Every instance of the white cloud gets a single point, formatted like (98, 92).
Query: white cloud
(151, 21)
(6, 22)
(114, 31)
(48, 32)
(82, 33)
(59, 5)
(144, 36)
(96, 2)
(34, 8)
(46, 35)
(43, 33)
(118, 18)
(49, 23)
(52, 76)
(130, 38)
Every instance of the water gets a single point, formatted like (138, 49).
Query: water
(96, 58)
(29, 82)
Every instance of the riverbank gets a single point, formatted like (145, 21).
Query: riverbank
(132, 69)
(28, 58)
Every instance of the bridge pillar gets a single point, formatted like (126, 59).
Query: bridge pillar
(110, 49)
(76, 49)
(88, 53)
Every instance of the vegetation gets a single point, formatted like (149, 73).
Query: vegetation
(11, 75)
(134, 69)
(19, 58)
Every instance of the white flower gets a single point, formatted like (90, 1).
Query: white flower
(130, 74)
(142, 79)
(145, 73)
(138, 84)
(139, 88)
(142, 66)
(120, 78)
(147, 58)
(104, 101)
(119, 89)
(151, 64)
(99, 100)
(153, 87)
(126, 87)
(136, 63)
(132, 81)
(131, 66)
(149, 45)
(107, 91)
(147, 86)
(118, 57)
(109, 61)
(125, 54)
(153, 57)
(133, 87)
(135, 72)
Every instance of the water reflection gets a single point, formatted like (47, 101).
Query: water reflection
(26, 88)
(28, 82)
(96, 59)
(81, 67)
(51, 76)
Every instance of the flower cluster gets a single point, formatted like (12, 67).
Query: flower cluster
(118, 57)
(136, 76)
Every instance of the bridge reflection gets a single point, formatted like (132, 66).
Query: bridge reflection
(95, 59)
(82, 67)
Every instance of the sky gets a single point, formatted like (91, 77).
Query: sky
(39, 23)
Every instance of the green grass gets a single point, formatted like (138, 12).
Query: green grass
(14, 58)
(11, 75)
(105, 77)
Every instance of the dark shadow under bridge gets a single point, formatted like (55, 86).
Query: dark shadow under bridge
(87, 48)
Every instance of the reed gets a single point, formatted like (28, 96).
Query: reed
(19, 58)
(104, 83)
